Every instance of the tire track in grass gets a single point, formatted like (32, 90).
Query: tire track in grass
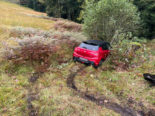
(31, 96)
(122, 110)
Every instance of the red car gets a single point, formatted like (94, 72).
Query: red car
(92, 52)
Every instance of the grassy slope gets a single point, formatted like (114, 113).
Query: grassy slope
(13, 88)
(12, 1)
(54, 96)
(14, 15)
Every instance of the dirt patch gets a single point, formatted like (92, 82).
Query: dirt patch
(34, 77)
(31, 96)
(103, 100)
(32, 110)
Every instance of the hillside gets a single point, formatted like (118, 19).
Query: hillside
(60, 87)
(12, 1)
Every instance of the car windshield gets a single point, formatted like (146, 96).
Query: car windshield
(89, 46)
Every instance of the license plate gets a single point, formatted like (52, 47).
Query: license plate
(83, 59)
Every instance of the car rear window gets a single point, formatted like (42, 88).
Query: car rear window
(89, 46)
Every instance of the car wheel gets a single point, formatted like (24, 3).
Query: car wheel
(95, 65)
(100, 62)
(74, 59)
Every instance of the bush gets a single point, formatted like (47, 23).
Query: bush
(29, 32)
(125, 55)
(21, 32)
(106, 18)
(38, 53)
(37, 47)
(33, 50)
(67, 26)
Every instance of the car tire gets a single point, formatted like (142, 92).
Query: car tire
(74, 59)
(95, 66)
(100, 63)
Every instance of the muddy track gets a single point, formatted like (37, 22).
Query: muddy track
(31, 96)
(102, 101)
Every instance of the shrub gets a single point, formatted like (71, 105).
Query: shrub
(67, 26)
(37, 47)
(34, 50)
(124, 54)
(75, 36)
(39, 53)
(21, 32)
(38, 50)
(30, 32)
(104, 19)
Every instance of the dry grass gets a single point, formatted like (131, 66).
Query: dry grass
(12, 93)
(15, 15)
(54, 97)
(63, 25)
(60, 100)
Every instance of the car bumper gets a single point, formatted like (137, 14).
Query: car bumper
(83, 61)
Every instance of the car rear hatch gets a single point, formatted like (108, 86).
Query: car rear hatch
(85, 53)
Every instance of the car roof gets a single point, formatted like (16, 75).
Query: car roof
(97, 42)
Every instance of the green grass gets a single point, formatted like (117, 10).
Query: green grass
(54, 97)
(12, 94)
(58, 99)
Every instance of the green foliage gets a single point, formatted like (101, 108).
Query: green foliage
(68, 9)
(34, 4)
(147, 14)
(12, 94)
(106, 18)
(83, 6)
(18, 69)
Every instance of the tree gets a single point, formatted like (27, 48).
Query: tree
(84, 3)
(34, 4)
(106, 18)
(147, 14)
(68, 9)
(23, 2)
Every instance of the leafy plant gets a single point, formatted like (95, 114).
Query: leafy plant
(146, 9)
(107, 18)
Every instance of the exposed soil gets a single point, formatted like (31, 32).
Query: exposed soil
(123, 110)
(31, 96)
(34, 77)
(104, 101)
